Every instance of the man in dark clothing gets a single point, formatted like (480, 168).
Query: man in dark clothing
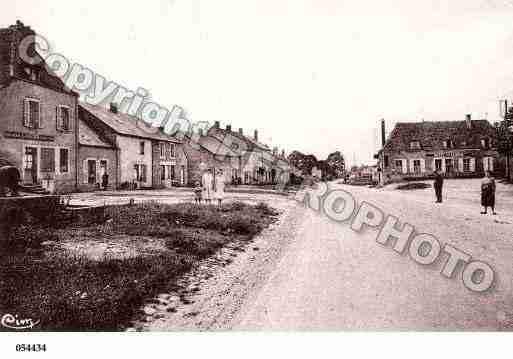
(438, 184)
(105, 181)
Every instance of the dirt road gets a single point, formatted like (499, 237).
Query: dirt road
(334, 278)
(310, 273)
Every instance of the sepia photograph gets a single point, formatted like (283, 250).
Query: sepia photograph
(265, 174)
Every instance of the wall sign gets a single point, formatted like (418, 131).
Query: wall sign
(28, 136)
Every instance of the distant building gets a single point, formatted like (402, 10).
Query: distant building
(456, 148)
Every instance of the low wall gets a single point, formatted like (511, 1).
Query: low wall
(16, 210)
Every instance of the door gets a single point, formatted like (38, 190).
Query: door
(182, 175)
(30, 170)
(449, 165)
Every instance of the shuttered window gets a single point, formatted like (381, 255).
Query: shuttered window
(47, 159)
(63, 118)
(31, 113)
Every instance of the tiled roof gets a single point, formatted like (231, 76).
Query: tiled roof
(432, 135)
(127, 125)
(88, 137)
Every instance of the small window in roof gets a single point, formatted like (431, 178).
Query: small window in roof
(415, 145)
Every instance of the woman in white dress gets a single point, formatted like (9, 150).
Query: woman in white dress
(220, 184)
(207, 182)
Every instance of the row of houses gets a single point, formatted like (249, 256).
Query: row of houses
(63, 144)
(466, 148)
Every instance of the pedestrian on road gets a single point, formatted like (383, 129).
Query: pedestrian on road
(438, 185)
(219, 187)
(488, 193)
(207, 182)
(105, 181)
(197, 192)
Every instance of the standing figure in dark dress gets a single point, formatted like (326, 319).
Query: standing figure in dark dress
(438, 185)
(488, 193)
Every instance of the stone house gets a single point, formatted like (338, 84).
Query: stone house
(457, 148)
(243, 159)
(37, 116)
(146, 157)
(217, 149)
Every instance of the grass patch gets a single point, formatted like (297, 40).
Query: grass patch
(75, 293)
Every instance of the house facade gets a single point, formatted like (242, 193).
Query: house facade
(37, 117)
(146, 157)
(455, 148)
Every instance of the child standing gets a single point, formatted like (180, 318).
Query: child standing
(197, 192)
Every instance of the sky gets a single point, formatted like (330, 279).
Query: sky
(311, 75)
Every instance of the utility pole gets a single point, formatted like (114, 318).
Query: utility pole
(507, 153)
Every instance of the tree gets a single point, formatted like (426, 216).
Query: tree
(335, 165)
(505, 142)
(302, 162)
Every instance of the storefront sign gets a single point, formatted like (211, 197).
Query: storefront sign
(28, 136)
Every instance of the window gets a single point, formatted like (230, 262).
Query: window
(91, 171)
(449, 165)
(488, 163)
(438, 164)
(399, 165)
(448, 144)
(416, 166)
(141, 148)
(47, 159)
(162, 150)
(63, 118)
(172, 174)
(171, 149)
(386, 161)
(31, 113)
(466, 165)
(64, 160)
(485, 142)
(415, 145)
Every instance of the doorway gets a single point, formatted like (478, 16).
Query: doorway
(30, 170)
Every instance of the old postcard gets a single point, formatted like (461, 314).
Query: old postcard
(183, 166)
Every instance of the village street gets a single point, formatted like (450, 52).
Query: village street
(334, 278)
(309, 273)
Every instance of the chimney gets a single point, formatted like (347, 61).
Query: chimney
(275, 151)
(113, 107)
(229, 128)
(283, 153)
(256, 135)
(468, 120)
(241, 132)
(217, 124)
(383, 133)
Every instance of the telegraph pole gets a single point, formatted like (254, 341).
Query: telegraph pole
(507, 152)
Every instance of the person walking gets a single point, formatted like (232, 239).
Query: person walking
(488, 193)
(219, 187)
(438, 185)
(207, 182)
